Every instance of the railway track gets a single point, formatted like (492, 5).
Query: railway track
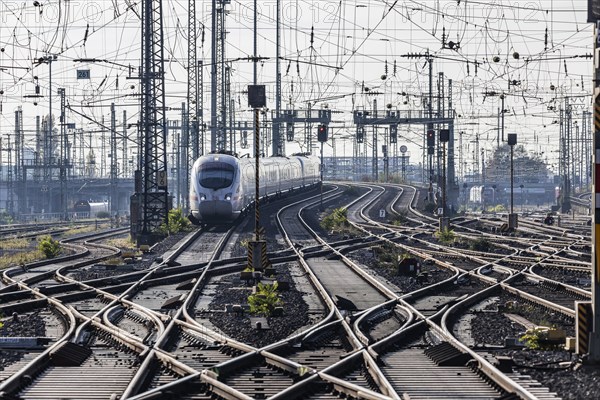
(158, 332)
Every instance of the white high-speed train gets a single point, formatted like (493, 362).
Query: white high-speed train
(223, 186)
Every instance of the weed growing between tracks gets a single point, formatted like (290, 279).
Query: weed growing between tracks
(337, 223)
(265, 300)
(445, 236)
(49, 247)
(177, 222)
(231, 290)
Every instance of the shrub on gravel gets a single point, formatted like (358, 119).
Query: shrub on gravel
(537, 339)
(265, 299)
(49, 247)
(337, 220)
(445, 236)
(177, 222)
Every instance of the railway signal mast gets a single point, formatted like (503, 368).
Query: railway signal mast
(257, 248)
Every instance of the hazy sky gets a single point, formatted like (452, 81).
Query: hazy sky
(352, 42)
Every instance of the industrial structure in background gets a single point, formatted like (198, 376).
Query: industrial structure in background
(68, 163)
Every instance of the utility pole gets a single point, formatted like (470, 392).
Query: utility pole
(20, 173)
(48, 142)
(444, 218)
(512, 217)
(125, 157)
(375, 160)
(430, 149)
(114, 203)
(278, 142)
(62, 165)
(38, 148)
(502, 114)
(10, 206)
(483, 203)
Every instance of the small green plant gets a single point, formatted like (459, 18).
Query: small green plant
(337, 220)
(537, 339)
(445, 236)
(265, 299)
(177, 222)
(49, 247)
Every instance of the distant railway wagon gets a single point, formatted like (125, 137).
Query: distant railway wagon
(93, 208)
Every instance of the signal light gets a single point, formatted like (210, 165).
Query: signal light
(430, 141)
(322, 133)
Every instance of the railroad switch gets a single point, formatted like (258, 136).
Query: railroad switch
(257, 255)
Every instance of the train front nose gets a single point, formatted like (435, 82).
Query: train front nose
(216, 211)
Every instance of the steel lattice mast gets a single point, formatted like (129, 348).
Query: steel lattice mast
(218, 117)
(191, 140)
(154, 204)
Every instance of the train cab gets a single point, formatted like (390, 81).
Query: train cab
(214, 189)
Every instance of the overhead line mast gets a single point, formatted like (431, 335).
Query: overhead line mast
(152, 177)
(191, 142)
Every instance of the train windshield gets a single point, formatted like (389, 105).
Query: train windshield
(216, 175)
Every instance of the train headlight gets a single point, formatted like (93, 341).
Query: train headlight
(228, 197)
(202, 197)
